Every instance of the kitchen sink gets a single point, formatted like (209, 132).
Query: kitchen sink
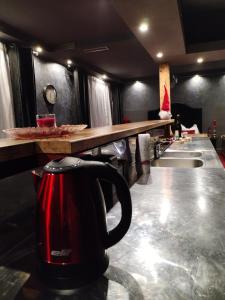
(181, 154)
(177, 163)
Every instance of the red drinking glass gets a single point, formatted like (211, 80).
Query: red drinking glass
(46, 120)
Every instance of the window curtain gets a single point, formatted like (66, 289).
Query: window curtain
(99, 102)
(117, 110)
(81, 97)
(23, 85)
(76, 98)
(6, 100)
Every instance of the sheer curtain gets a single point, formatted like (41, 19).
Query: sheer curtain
(6, 100)
(99, 102)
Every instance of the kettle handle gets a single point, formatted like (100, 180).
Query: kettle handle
(110, 173)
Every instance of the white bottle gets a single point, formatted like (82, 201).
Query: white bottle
(177, 134)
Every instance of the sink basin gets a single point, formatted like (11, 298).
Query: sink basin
(182, 154)
(177, 163)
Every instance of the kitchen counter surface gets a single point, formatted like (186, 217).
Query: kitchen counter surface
(196, 144)
(204, 146)
(174, 249)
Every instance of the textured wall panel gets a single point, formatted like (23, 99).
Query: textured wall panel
(206, 92)
(60, 77)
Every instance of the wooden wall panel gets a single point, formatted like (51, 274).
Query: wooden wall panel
(164, 79)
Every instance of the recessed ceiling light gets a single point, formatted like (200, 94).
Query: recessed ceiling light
(143, 27)
(104, 76)
(159, 54)
(138, 85)
(39, 49)
(200, 60)
(69, 62)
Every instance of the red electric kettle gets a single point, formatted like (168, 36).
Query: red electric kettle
(71, 225)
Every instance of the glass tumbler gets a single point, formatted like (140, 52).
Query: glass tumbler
(46, 120)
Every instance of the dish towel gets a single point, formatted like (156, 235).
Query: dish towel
(144, 150)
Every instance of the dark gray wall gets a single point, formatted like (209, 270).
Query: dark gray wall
(63, 81)
(138, 98)
(206, 92)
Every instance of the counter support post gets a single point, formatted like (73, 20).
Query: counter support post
(167, 131)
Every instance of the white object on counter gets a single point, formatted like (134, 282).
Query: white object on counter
(144, 150)
(194, 127)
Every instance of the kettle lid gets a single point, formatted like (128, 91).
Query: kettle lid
(63, 165)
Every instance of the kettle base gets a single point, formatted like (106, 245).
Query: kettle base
(71, 276)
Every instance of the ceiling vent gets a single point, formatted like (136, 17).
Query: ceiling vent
(96, 49)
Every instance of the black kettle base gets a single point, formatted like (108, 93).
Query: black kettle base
(71, 276)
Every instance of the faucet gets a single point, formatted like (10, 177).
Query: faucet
(160, 147)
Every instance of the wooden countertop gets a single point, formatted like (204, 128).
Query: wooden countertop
(14, 149)
(94, 137)
(86, 139)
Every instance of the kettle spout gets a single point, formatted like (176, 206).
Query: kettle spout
(37, 177)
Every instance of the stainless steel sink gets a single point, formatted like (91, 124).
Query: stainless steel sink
(181, 154)
(177, 163)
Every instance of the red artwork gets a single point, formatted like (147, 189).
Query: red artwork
(166, 100)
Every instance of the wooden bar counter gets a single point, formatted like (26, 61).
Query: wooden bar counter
(24, 153)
